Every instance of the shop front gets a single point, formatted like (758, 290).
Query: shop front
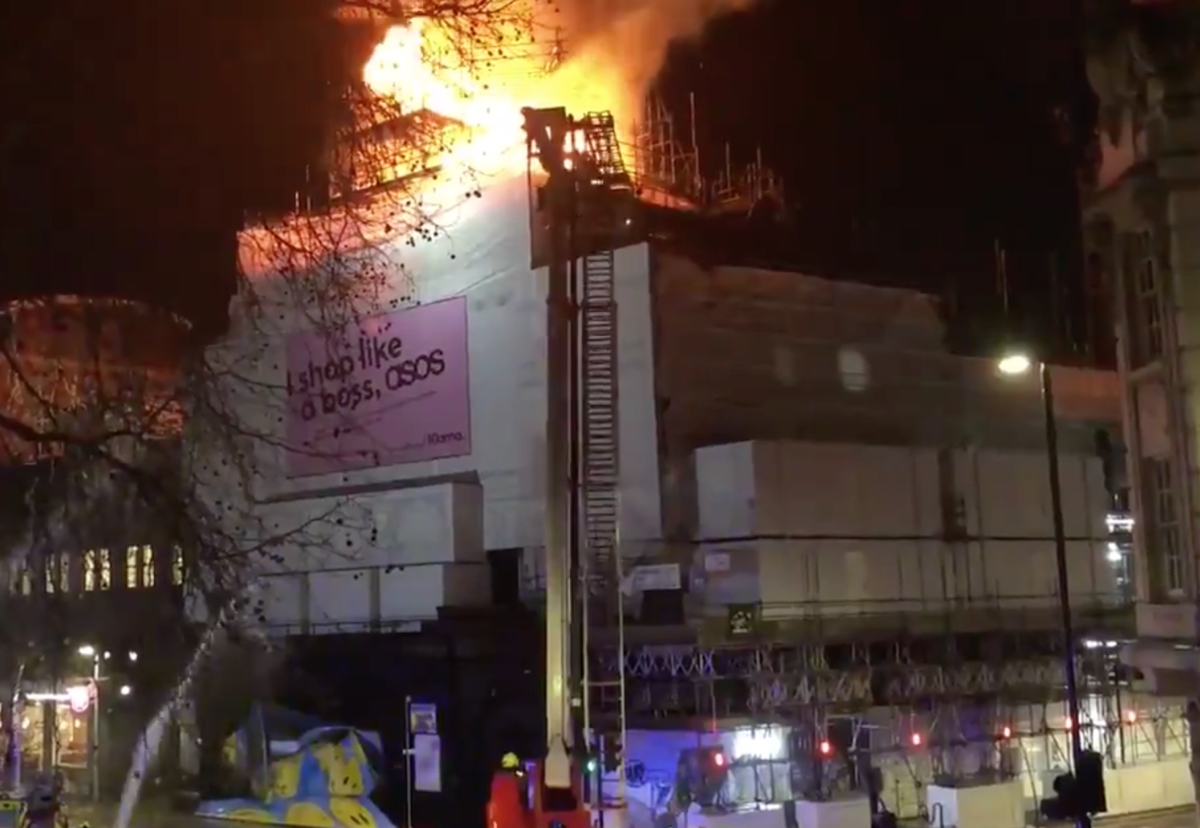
(54, 731)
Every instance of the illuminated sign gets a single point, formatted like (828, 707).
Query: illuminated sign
(79, 698)
(1118, 522)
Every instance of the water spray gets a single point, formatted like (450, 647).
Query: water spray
(150, 743)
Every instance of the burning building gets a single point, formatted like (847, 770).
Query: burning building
(809, 509)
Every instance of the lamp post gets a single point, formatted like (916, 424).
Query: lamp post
(88, 651)
(1015, 364)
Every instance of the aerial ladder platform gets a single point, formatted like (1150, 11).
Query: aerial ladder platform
(581, 189)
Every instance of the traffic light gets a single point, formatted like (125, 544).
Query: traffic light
(1080, 793)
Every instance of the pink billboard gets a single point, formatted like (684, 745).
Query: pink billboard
(383, 391)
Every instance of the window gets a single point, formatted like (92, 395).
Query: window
(139, 566)
(177, 566)
(57, 573)
(1166, 536)
(89, 570)
(1145, 306)
(104, 564)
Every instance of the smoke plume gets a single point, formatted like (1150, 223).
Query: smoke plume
(617, 47)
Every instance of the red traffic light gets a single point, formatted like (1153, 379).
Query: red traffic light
(719, 759)
(915, 739)
(825, 747)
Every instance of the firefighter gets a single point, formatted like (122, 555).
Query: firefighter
(508, 806)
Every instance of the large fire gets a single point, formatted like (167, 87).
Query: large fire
(474, 80)
(423, 66)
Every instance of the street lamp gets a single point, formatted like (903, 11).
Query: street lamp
(1016, 363)
(88, 651)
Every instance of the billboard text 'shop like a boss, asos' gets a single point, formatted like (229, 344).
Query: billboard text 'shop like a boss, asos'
(384, 390)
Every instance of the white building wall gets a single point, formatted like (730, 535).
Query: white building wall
(706, 356)
(386, 559)
(827, 529)
(382, 559)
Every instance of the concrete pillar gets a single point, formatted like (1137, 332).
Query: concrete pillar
(1193, 720)
(10, 740)
(49, 736)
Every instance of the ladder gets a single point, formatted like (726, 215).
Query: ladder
(604, 152)
(609, 184)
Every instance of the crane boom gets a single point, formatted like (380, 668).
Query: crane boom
(585, 184)
(548, 133)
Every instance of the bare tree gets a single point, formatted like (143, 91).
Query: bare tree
(118, 429)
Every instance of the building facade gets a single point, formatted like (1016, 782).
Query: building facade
(91, 577)
(1137, 232)
(805, 469)
(720, 368)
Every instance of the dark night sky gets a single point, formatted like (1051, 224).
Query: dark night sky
(911, 134)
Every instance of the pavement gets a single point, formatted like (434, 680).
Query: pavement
(1171, 818)
(146, 815)
(154, 814)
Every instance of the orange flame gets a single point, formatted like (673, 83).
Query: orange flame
(421, 66)
(418, 66)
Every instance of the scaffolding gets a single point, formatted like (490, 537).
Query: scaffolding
(70, 362)
(846, 709)
(380, 148)
(668, 170)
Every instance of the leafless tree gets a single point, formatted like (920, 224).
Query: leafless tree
(118, 428)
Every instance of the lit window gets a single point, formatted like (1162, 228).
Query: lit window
(58, 573)
(147, 566)
(131, 567)
(26, 580)
(177, 567)
(89, 570)
(105, 567)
